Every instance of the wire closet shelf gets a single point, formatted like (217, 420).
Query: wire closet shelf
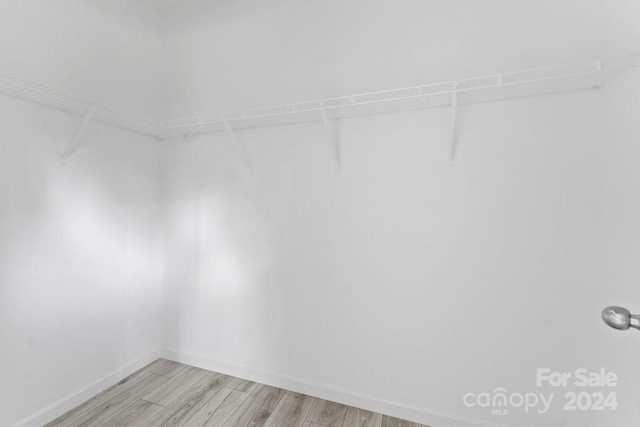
(19, 87)
(497, 87)
(527, 83)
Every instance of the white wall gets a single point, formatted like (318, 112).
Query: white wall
(408, 279)
(403, 277)
(80, 293)
(80, 273)
(109, 51)
(236, 54)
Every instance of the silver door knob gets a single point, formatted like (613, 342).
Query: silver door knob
(620, 318)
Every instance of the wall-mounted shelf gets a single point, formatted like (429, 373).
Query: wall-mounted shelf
(541, 81)
(19, 87)
(452, 94)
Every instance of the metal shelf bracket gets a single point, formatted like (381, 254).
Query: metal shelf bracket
(333, 140)
(242, 150)
(186, 138)
(77, 137)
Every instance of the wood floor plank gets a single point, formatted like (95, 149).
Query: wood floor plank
(175, 386)
(292, 411)
(93, 402)
(208, 409)
(146, 369)
(244, 386)
(135, 415)
(168, 368)
(121, 394)
(218, 410)
(187, 404)
(110, 407)
(169, 394)
(328, 414)
(357, 417)
(257, 408)
(397, 422)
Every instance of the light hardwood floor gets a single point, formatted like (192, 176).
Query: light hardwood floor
(167, 393)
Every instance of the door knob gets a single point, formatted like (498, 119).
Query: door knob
(620, 318)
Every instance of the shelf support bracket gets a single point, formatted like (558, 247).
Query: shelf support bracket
(186, 138)
(333, 140)
(77, 137)
(453, 124)
(242, 150)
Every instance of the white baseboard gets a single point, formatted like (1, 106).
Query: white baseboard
(348, 397)
(79, 396)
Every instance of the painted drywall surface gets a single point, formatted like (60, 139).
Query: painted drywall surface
(80, 292)
(238, 54)
(80, 285)
(107, 51)
(405, 277)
